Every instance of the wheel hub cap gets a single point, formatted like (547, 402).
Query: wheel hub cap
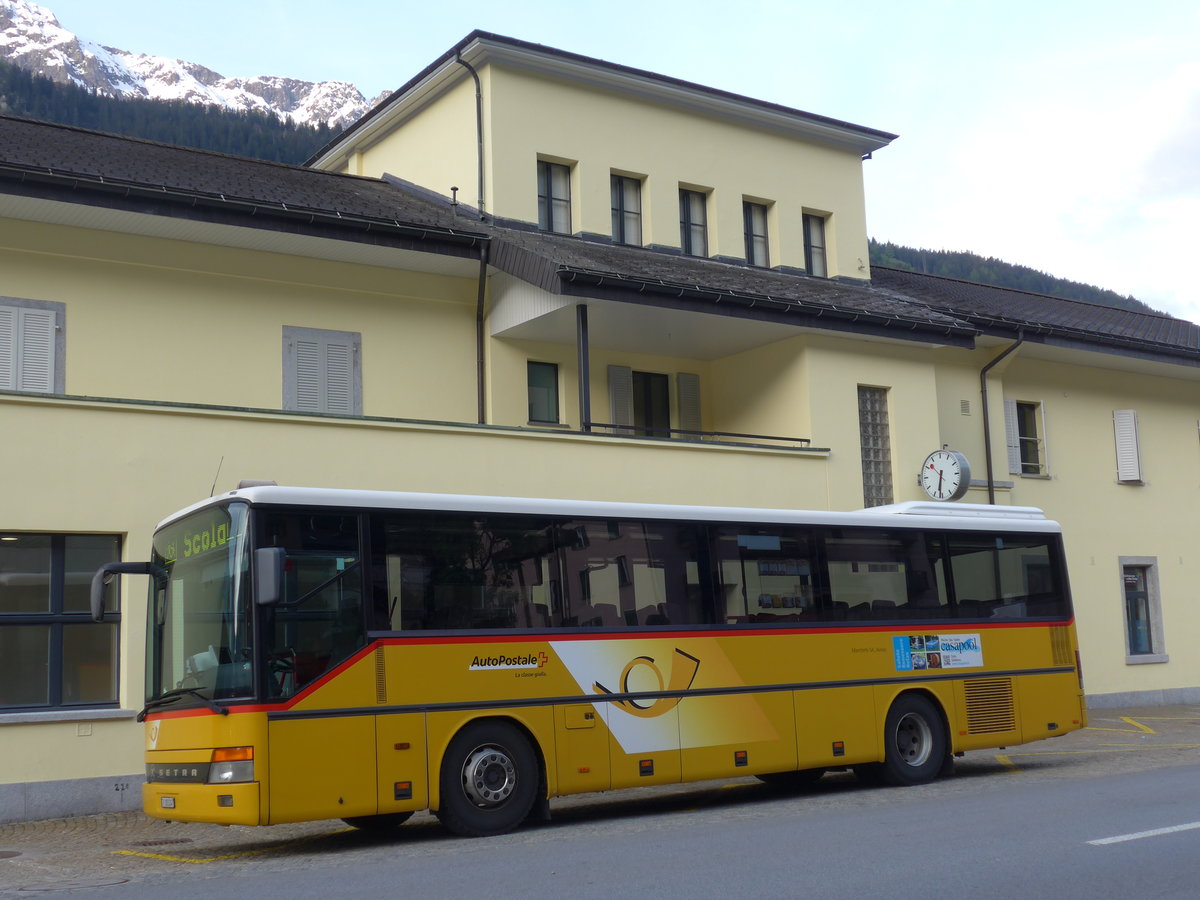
(489, 776)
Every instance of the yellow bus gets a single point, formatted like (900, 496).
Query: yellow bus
(361, 655)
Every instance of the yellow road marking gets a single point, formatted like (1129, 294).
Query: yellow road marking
(1006, 761)
(1146, 729)
(208, 859)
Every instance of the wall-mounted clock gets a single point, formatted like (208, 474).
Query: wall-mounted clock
(945, 475)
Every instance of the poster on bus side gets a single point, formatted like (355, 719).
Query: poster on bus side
(937, 651)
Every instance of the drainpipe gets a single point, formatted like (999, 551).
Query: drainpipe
(480, 385)
(987, 421)
(478, 132)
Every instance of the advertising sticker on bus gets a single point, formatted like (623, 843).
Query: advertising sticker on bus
(937, 651)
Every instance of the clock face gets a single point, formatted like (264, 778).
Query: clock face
(945, 475)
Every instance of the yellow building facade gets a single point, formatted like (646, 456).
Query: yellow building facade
(161, 306)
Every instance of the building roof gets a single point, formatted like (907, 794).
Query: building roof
(481, 47)
(71, 165)
(75, 165)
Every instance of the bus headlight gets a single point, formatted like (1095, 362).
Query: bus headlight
(231, 764)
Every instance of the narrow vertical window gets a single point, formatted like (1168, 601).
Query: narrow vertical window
(876, 446)
(1142, 609)
(543, 392)
(755, 217)
(626, 210)
(1023, 426)
(693, 222)
(814, 246)
(554, 197)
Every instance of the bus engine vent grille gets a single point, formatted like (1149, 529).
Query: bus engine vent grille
(1060, 647)
(990, 707)
(380, 676)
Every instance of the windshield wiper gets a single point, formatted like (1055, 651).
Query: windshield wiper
(175, 694)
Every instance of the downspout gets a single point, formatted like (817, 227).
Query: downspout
(987, 421)
(480, 343)
(480, 374)
(481, 203)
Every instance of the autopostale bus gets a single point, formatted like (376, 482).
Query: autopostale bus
(360, 655)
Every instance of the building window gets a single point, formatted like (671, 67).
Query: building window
(814, 246)
(1142, 608)
(554, 197)
(755, 217)
(876, 443)
(693, 222)
(1129, 459)
(626, 210)
(322, 371)
(543, 392)
(51, 652)
(1024, 427)
(31, 352)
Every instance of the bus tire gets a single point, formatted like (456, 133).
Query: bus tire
(380, 823)
(791, 781)
(915, 745)
(489, 779)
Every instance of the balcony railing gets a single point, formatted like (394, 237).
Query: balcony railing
(684, 434)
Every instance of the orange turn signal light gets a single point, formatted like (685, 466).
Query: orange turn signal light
(232, 754)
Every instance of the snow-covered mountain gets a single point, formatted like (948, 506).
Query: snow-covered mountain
(32, 38)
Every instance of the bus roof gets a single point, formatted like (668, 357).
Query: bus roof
(913, 514)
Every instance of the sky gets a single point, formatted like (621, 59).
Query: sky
(1056, 134)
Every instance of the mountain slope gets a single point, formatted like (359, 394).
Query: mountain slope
(32, 38)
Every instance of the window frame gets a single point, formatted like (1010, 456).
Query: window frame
(758, 242)
(552, 368)
(553, 207)
(57, 619)
(816, 243)
(624, 219)
(879, 487)
(294, 379)
(53, 377)
(1025, 430)
(1156, 633)
(693, 228)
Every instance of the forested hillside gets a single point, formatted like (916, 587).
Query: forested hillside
(258, 135)
(987, 270)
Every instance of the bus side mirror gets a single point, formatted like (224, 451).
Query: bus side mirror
(104, 575)
(268, 575)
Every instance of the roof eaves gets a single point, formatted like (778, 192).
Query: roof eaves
(244, 207)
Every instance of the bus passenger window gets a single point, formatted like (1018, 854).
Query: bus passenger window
(765, 574)
(884, 575)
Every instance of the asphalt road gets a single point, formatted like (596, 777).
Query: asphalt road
(1113, 811)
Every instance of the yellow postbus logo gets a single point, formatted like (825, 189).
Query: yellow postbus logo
(683, 669)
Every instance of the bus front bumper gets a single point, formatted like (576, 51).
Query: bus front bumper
(223, 804)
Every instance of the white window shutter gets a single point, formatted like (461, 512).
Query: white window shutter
(620, 395)
(26, 349)
(8, 348)
(36, 348)
(1125, 428)
(1012, 437)
(687, 389)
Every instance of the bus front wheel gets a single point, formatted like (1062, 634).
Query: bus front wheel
(915, 745)
(489, 780)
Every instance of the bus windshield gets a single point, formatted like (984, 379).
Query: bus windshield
(200, 623)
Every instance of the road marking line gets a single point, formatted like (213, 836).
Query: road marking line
(1138, 835)
(1146, 729)
(208, 859)
(1009, 765)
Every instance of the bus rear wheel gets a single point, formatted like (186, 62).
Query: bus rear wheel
(791, 781)
(489, 780)
(915, 744)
